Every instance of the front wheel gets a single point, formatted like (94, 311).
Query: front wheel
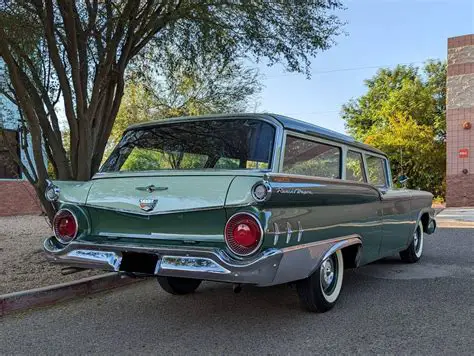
(178, 286)
(320, 291)
(413, 253)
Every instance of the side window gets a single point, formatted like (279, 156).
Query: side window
(355, 166)
(311, 158)
(376, 170)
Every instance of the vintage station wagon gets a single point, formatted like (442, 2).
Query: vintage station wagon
(257, 199)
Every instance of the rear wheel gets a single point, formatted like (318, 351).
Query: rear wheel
(320, 291)
(178, 286)
(413, 253)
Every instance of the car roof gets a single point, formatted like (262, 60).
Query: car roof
(287, 123)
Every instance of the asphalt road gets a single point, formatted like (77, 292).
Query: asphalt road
(385, 308)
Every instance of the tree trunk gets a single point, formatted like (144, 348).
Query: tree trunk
(48, 208)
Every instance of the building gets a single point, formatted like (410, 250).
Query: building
(17, 196)
(460, 122)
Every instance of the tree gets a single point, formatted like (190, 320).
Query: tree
(413, 152)
(79, 51)
(181, 89)
(404, 114)
(208, 86)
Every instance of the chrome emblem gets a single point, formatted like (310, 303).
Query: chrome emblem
(150, 188)
(147, 204)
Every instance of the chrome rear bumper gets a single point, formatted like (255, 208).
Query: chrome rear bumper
(270, 267)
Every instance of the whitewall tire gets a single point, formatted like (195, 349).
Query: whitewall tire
(320, 291)
(413, 253)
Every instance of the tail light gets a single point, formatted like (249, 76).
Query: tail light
(65, 226)
(243, 234)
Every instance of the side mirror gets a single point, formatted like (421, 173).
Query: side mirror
(402, 179)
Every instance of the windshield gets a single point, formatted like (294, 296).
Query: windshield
(218, 144)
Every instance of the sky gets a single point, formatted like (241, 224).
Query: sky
(380, 33)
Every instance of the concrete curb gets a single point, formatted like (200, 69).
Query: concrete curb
(446, 223)
(39, 297)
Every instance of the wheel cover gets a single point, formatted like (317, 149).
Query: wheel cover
(327, 274)
(418, 241)
(331, 273)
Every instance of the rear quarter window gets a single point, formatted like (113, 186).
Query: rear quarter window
(355, 167)
(376, 170)
(311, 158)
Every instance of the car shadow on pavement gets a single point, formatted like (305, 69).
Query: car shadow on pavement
(219, 301)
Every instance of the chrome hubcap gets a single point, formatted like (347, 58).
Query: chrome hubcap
(327, 273)
(416, 239)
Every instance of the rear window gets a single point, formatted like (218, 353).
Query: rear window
(216, 144)
(311, 158)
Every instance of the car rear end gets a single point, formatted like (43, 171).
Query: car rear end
(174, 199)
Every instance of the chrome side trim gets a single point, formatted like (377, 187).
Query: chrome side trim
(300, 231)
(164, 236)
(277, 234)
(133, 212)
(300, 261)
(288, 178)
(289, 232)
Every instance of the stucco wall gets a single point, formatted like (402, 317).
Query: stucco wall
(460, 110)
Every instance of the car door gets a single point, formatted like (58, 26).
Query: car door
(396, 206)
(371, 228)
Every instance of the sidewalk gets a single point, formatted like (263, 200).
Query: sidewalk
(456, 217)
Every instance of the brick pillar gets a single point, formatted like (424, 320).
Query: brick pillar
(459, 114)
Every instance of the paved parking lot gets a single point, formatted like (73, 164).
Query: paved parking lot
(385, 308)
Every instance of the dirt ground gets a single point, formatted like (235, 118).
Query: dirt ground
(22, 261)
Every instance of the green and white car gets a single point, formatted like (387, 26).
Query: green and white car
(257, 199)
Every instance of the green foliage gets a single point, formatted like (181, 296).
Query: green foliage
(404, 89)
(141, 159)
(404, 114)
(175, 89)
(414, 152)
(354, 166)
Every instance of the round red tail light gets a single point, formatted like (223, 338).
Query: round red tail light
(243, 234)
(65, 226)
